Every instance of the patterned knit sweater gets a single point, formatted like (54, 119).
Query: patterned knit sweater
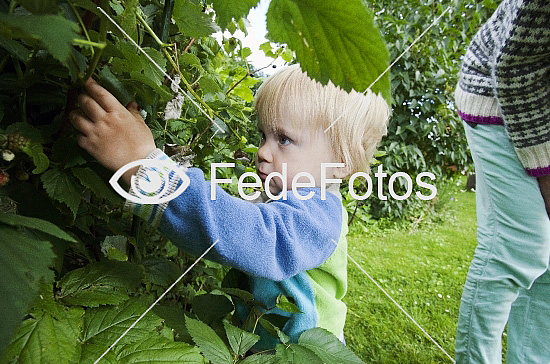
(505, 79)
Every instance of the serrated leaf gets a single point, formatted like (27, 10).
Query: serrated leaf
(94, 182)
(210, 344)
(40, 160)
(127, 19)
(91, 352)
(239, 340)
(284, 304)
(192, 21)
(50, 323)
(15, 48)
(36, 224)
(190, 60)
(209, 85)
(327, 346)
(210, 307)
(296, 354)
(226, 11)
(260, 359)
(333, 40)
(239, 293)
(274, 330)
(140, 67)
(162, 272)
(103, 325)
(110, 82)
(114, 247)
(61, 186)
(54, 32)
(100, 283)
(159, 350)
(24, 261)
(174, 318)
(40, 6)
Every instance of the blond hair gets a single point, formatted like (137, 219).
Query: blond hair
(361, 119)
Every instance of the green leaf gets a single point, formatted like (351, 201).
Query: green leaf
(100, 283)
(50, 336)
(226, 11)
(192, 21)
(127, 19)
(61, 186)
(284, 304)
(190, 60)
(110, 82)
(103, 325)
(210, 344)
(89, 353)
(94, 182)
(159, 350)
(210, 307)
(40, 160)
(36, 224)
(114, 247)
(245, 296)
(296, 354)
(53, 32)
(160, 271)
(327, 346)
(260, 359)
(239, 340)
(333, 40)
(40, 6)
(15, 48)
(24, 261)
(274, 330)
(140, 67)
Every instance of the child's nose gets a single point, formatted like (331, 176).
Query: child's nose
(264, 153)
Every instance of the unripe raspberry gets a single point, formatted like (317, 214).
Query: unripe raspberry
(17, 142)
(21, 175)
(4, 177)
(7, 155)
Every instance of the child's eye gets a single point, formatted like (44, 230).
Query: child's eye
(283, 140)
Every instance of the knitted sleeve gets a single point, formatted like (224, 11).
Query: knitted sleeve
(522, 82)
(275, 240)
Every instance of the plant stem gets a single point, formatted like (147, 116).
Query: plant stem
(166, 19)
(89, 43)
(81, 22)
(103, 38)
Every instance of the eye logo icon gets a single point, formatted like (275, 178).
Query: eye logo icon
(155, 188)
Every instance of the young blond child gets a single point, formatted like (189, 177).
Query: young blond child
(285, 246)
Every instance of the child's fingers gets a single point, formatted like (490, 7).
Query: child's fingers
(103, 97)
(81, 122)
(91, 107)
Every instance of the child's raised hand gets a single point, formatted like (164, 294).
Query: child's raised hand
(113, 134)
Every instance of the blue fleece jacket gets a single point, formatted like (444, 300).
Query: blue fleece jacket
(284, 246)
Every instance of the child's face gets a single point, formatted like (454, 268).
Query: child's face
(302, 149)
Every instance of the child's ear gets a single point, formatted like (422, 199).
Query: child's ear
(342, 172)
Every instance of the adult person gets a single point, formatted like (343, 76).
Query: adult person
(503, 97)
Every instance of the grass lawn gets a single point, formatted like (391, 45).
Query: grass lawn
(424, 270)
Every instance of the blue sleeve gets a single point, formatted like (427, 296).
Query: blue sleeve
(275, 240)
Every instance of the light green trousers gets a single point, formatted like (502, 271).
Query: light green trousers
(508, 280)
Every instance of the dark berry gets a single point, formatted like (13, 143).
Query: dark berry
(4, 177)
